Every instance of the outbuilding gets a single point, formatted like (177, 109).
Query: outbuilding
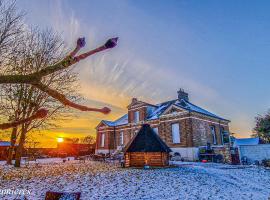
(146, 149)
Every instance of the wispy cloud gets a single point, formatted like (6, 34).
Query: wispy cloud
(113, 77)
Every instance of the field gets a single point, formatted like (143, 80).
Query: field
(96, 180)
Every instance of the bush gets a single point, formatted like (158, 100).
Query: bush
(266, 162)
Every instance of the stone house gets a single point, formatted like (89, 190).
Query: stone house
(182, 125)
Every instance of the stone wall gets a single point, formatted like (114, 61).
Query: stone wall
(255, 152)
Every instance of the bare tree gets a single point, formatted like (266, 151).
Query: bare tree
(33, 78)
(37, 50)
(88, 140)
(10, 34)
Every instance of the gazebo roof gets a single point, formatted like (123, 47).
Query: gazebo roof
(146, 140)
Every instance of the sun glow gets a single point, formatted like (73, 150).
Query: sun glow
(59, 140)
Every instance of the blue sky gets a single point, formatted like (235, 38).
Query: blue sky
(215, 50)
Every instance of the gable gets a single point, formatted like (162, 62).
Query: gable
(136, 104)
(173, 109)
(101, 124)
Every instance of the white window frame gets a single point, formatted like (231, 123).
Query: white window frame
(121, 138)
(156, 130)
(136, 116)
(214, 135)
(102, 140)
(176, 135)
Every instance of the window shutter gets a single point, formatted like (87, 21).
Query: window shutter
(175, 133)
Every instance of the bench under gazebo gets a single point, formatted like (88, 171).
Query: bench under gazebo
(146, 149)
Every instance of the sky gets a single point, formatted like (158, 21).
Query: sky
(216, 50)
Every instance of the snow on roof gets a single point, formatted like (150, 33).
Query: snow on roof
(245, 141)
(195, 108)
(121, 121)
(182, 104)
(160, 108)
(4, 144)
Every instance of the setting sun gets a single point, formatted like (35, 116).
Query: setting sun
(60, 140)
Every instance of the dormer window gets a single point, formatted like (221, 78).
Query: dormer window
(136, 116)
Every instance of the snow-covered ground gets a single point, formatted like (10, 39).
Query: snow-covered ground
(97, 180)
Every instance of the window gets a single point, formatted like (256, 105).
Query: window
(121, 142)
(175, 133)
(136, 116)
(214, 136)
(225, 136)
(102, 142)
(156, 130)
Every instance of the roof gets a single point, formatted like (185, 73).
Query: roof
(121, 121)
(160, 108)
(184, 104)
(4, 144)
(245, 141)
(146, 140)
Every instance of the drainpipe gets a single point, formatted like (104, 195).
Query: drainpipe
(220, 134)
(113, 143)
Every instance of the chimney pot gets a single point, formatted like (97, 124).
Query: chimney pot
(182, 94)
(134, 100)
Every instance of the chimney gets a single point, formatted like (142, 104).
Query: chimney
(182, 94)
(134, 100)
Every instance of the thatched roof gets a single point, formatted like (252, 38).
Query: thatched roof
(146, 140)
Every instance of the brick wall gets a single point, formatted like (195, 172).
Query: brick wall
(194, 130)
(142, 114)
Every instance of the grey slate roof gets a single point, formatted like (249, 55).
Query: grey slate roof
(160, 108)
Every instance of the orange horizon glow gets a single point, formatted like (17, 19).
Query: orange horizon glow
(60, 139)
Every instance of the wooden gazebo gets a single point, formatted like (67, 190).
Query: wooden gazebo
(146, 149)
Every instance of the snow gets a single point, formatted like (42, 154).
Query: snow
(245, 141)
(121, 121)
(4, 144)
(96, 180)
(161, 108)
(198, 109)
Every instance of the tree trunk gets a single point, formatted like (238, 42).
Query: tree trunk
(19, 149)
(12, 146)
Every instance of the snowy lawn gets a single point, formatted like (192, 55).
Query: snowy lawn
(97, 180)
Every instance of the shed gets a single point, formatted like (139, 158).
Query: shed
(146, 148)
(4, 146)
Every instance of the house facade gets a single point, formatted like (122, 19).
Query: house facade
(182, 125)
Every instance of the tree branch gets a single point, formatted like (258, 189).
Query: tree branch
(61, 98)
(38, 115)
(35, 78)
